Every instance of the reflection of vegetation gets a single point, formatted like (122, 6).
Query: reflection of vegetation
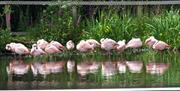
(72, 80)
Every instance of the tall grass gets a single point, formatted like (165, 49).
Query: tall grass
(117, 26)
(166, 27)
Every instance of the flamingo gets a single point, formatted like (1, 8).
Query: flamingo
(150, 41)
(17, 48)
(42, 43)
(84, 46)
(57, 45)
(160, 45)
(22, 50)
(93, 42)
(108, 44)
(134, 43)
(52, 49)
(36, 51)
(12, 45)
(121, 45)
(70, 45)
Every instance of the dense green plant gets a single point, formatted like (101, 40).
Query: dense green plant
(117, 26)
(5, 37)
(166, 27)
(56, 23)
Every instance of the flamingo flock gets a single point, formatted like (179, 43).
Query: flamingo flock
(42, 47)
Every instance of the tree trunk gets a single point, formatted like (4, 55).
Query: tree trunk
(8, 16)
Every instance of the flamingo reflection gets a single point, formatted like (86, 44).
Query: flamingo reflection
(47, 67)
(85, 68)
(134, 66)
(17, 67)
(109, 68)
(156, 68)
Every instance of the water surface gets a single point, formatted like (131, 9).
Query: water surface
(147, 69)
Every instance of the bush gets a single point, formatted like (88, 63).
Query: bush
(5, 37)
(55, 24)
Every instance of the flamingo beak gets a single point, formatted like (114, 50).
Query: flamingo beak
(62, 48)
(147, 41)
(115, 46)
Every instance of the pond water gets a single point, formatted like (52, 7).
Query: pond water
(147, 69)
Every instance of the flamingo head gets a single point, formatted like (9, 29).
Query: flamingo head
(34, 46)
(8, 47)
(102, 40)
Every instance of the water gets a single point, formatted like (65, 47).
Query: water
(147, 69)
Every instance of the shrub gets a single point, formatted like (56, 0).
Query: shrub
(5, 37)
(55, 24)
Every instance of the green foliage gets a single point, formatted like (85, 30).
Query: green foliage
(5, 37)
(55, 24)
(165, 27)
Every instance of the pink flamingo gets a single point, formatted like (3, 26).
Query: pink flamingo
(17, 48)
(42, 43)
(160, 45)
(150, 41)
(52, 49)
(156, 68)
(108, 44)
(134, 43)
(70, 45)
(93, 42)
(57, 45)
(84, 46)
(121, 46)
(11, 46)
(36, 51)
